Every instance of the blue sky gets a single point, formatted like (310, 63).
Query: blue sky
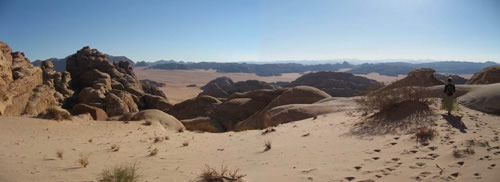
(252, 30)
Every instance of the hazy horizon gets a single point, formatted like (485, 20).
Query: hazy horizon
(256, 31)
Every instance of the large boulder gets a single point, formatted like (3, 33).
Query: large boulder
(196, 107)
(157, 102)
(488, 75)
(223, 87)
(421, 77)
(97, 113)
(202, 124)
(338, 84)
(296, 95)
(231, 112)
(42, 98)
(151, 87)
(115, 105)
(156, 116)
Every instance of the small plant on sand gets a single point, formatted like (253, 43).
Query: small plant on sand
(59, 154)
(185, 143)
(157, 139)
(90, 140)
(55, 113)
(153, 152)
(123, 173)
(267, 146)
(115, 148)
(459, 153)
(180, 130)
(147, 123)
(387, 100)
(425, 134)
(84, 159)
(211, 174)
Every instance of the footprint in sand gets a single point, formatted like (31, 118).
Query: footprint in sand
(375, 158)
(350, 178)
(433, 148)
(492, 166)
(377, 150)
(461, 163)
(394, 143)
(357, 168)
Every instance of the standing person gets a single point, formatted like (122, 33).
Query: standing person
(448, 103)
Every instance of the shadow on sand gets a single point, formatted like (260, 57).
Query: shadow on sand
(456, 121)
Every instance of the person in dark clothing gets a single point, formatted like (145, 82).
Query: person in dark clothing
(448, 103)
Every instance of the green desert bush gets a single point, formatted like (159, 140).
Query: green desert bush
(211, 174)
(123, 173)
(55, 113)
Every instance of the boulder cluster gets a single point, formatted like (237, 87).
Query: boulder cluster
(27, 89)
(223, 87)
(488, 75)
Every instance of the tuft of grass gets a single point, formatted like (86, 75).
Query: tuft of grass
(180, 130)
(267, 146)
(55, 113)
(211, 174)
(481, 143)
(115, 148)
(425, 134)
(153, 152)
(157, 139)
(84, 159)
(123, 173)
(185, 143)
(59, 154)
(459, 153)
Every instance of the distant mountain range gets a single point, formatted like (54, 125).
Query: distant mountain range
(279, 67)
(60, 64)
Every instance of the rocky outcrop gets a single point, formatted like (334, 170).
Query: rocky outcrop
(488, 75)
(223, 87)
(151, 87)
(456, 79)
(97, 113)
(202, 124)
(196, 107)
(111, 86)
(233, 111)
(18, 79)
(296, 95)
(422, 77)
(337, 84)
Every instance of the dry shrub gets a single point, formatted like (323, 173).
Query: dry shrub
(180, 130)
(157, 139)
(153, 152)
(385, 101)
(480, 143)
(115, 148)
(185, 144)
(267, 146)
(55, 113)
(373, 88)
(84, 159)
(459, 153)
(210, 174)
(124, 173)
(425, 134)
(59, 154)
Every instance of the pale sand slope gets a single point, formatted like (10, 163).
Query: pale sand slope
(329, 153)
(177, 80)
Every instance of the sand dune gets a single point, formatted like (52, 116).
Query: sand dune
(322, 149)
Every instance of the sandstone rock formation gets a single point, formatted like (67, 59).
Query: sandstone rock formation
(111, 86)
(488, 75)
(196, 107)
(151, 87)
(422, 77)
(337, 84)
(202, 124)
(223, 87)
(97, 113)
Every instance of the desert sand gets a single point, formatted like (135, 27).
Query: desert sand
(177, 80)
(332, 147)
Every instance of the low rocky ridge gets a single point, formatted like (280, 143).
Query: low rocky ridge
(488, 75)
(223, 87)
(337, 84)
(456, 79)
(421, 77)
